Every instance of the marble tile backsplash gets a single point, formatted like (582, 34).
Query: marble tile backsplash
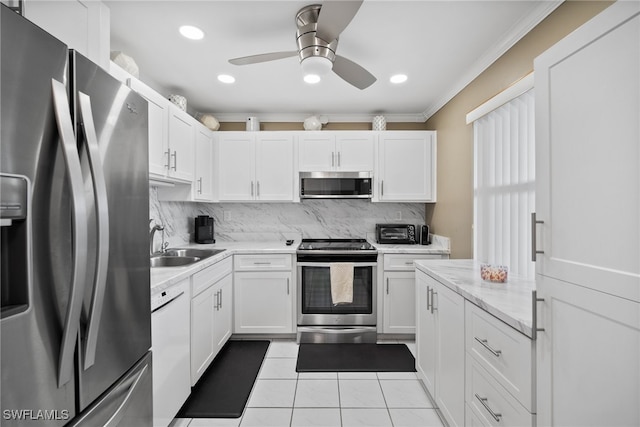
(279, 221)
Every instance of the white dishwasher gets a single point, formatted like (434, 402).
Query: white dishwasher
(170, 335)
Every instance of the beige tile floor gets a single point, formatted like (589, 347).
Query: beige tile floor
(282, 397)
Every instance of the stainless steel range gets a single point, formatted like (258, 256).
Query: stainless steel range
(319, 319)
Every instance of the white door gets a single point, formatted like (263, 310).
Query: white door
(181, 144)
(399, 307)
(588, 197)
(263, 302)
(355, 151)
(274, 167)
(222, 317)
(317, 151)
(202, 345)
(236, 166)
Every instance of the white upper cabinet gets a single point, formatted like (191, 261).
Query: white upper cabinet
(203, 175)
(84, 25)
(255, 166)
(349, 151)
(406, 166)
(181, 144)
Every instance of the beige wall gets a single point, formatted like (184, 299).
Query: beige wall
(452, 215)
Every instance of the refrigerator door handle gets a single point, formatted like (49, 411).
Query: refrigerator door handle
(102, 213)
(119, 413)
(80, 232)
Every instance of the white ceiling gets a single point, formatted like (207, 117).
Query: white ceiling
(440, 45)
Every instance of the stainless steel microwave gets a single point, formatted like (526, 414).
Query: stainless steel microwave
(336, 185)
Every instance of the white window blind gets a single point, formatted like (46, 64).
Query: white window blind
(504, 185)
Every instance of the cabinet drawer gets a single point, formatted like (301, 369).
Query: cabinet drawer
(210, 275)
(262, 262)
(404, 261)
(490, 403)
(504, 352)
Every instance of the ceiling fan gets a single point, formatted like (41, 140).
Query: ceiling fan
(319, 27)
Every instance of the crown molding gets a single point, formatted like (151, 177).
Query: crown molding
(519, 30)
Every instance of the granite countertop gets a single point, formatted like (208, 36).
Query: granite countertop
(510, 302)
(439, 246)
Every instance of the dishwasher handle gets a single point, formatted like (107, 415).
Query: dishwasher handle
(168, 302)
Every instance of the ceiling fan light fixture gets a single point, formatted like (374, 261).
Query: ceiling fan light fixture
(398, 78)
(312, 78)
(317, 65)
(191, 32)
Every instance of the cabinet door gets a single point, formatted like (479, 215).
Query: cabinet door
(407, 167)
(202, 346)
(317, 151)
(274, 167)
(222, 318)
(236, 166)
(263, 302)
(399, 305)
(181, 144)
(355, 151)
(425, 334)
(203, 184)
(450, 358)
(158, 128)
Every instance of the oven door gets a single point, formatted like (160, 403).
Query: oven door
(315, 307)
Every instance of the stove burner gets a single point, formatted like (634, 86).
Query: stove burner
(335, 245)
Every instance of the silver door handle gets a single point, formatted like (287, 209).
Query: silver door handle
(382, 187)
(333, 163)
(287, 286)
(175, 160)
(387, 286)
(120, 412)
(534, 313)
(200, 185)
(168, 165)
(251, 188)
(534, 244)
(428, 303)
(257, 188)
(102, 213)
(220, 292)
(486, 345)
(483, 400)
(80, 231)
(433, 300)
(338, 159)
(261, 263)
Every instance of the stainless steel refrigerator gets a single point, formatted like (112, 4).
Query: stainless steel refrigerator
(76, 326)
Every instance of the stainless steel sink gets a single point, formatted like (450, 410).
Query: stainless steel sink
(193, 252)
(177, 257)
(172, 261)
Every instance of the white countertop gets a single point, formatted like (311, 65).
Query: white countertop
(510, 302)
(163, 277)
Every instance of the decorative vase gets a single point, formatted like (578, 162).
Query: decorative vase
(379, 123)
(180, 101)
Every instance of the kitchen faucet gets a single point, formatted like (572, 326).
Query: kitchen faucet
(152, 233)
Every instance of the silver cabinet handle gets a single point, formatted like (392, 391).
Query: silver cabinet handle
(220, 298)
(257, 188)
(333, 155)
(175, 160)
(486, 345)
(387, 286)
(80, 231)
(534, 313)
(534, 244)
(102, 214)
(262, 263)
(287, 286)
(433, 300)
(168, 165)
(382, 188)
(484, 400)
(200, 185)
(251, 188)
(339, 159)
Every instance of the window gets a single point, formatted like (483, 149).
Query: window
(504, 185)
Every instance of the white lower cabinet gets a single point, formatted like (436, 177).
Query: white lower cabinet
(263, 294)
(211, 314)
(440, 346)
(399, 292)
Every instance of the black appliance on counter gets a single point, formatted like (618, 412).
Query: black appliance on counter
(402, 234)
(204, 229)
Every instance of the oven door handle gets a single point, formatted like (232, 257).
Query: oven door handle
(327, 264)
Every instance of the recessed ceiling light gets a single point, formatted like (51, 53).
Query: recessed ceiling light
(226, 78)
(312, 78)
(191, 32)
(398, 78)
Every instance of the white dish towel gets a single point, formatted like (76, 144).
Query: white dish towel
(341, 282)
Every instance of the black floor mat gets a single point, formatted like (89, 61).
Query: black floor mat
(223, 390)
(355, 358)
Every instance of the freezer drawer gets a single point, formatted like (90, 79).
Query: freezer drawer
(127, 403)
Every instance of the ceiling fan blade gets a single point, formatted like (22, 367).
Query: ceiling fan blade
(263, 57)
(352, 73)
(334, 18)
